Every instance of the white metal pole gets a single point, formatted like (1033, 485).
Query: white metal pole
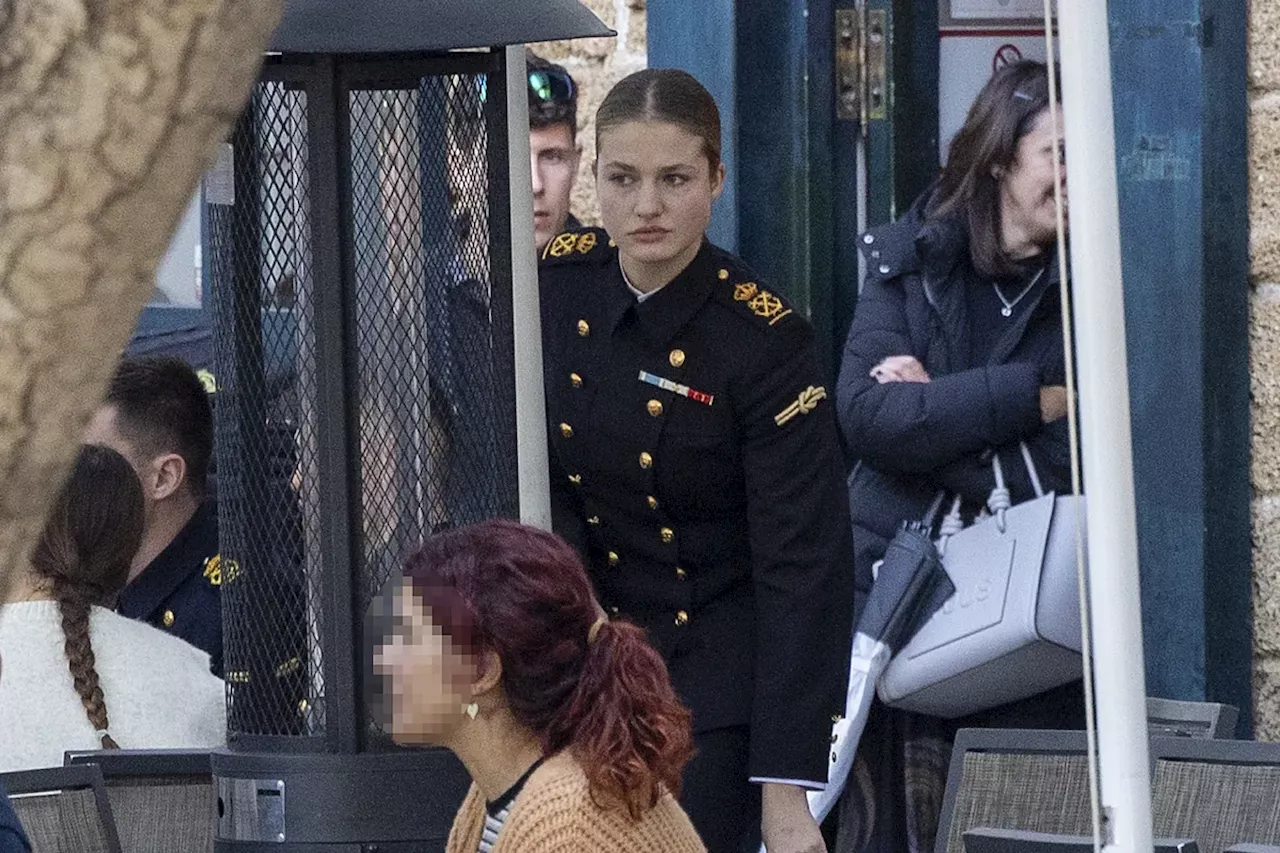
(531, 421)
(1107, 451)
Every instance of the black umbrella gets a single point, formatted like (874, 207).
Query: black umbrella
(910, 586)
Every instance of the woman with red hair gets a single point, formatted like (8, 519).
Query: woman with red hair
(567, 722)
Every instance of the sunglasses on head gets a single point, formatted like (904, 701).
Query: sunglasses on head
(549, 85)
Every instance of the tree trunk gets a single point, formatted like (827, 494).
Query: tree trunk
(110, 110)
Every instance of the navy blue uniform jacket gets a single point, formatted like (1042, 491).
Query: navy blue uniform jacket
(180, 591)
(695, 465)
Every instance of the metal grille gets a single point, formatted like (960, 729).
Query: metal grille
(265, 431)
(420, 204)
(420, 435)
(429, 455)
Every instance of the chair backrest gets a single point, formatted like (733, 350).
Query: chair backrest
(1015, 779)
(1219, 792)
(984, 840)
(1172, 718)
(63, 809)
(163, 800)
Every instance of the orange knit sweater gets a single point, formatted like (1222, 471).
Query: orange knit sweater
(554, 813)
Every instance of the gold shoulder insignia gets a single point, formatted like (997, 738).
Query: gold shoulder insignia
(760, 302)
(213, 570)
(217, 570)
(289, 667)
(765, 304)
(804, 404)
(560, 245)
(207, 380)
(570, 245)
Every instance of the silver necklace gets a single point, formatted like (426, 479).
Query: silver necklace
(1007, 310)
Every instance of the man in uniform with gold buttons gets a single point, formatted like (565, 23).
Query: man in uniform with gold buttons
(695, 465)
(157, 415)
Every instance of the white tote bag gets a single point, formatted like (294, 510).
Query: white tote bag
(1012, 629)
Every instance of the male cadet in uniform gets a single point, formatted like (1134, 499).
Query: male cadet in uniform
(554, 152)
(157, 415)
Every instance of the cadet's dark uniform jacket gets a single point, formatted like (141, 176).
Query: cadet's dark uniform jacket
(180, 591)
(695, 465)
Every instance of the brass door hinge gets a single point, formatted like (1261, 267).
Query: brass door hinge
(861, 55)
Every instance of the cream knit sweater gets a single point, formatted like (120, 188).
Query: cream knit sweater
(554, 813)
(158, 689)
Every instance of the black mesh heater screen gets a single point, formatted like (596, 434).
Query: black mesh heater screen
(360, 281)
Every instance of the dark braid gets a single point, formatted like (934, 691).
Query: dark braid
(75, 627)
(83, 555)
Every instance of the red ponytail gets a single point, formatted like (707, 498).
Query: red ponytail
(523, 594)
(624, 722)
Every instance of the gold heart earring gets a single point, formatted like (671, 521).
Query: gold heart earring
(471, 710)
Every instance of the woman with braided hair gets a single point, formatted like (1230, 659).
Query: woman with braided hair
(76, 675)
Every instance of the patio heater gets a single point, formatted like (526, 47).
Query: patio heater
(368, 230)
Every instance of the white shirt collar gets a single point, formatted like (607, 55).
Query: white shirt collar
(640, 295)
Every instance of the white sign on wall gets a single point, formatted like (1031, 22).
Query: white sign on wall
(967, 60)
(997, 10)
(178, 276)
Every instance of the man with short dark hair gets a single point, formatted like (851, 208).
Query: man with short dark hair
(554, 152)
(157, 415)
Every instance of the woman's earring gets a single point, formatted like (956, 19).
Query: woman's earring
(471, 710)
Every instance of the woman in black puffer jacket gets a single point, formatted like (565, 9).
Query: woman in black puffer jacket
(955, 353)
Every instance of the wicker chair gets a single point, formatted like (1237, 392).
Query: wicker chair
(63, 809)
(1033, 780)
(1219, 792)
(163, 800)
(1172, 718)
(1018, 841)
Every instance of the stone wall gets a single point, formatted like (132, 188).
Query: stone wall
(596, 64)
(1264, 216)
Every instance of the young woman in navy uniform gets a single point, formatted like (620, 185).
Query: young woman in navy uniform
(695, 465)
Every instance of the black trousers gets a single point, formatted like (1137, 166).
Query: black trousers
(723, 805)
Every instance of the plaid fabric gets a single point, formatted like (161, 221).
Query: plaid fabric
(1217, 804)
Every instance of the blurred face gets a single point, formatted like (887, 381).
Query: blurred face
(553, 158)
(655, 188)
(1026, 188)
(430, 681)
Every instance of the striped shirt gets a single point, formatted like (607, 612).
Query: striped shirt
(497, 812)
